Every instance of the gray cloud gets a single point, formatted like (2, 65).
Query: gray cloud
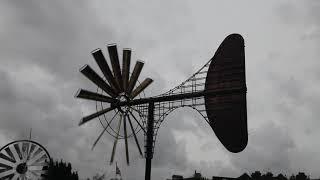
(43, 44)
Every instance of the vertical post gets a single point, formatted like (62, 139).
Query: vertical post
(30, 133)
(149, 145)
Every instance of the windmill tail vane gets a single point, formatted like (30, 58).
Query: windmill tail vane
(217, 91)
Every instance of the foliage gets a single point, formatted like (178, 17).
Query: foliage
(62, 171)
(257, 175)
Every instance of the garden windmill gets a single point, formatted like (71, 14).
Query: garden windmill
(217, 91)
(24, 160)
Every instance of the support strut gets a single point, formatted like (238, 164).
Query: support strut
(149, 145)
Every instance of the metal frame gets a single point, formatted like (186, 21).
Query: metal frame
(153, 110)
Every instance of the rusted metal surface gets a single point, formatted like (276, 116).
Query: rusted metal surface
(227, 114)
(97, 80)
(113, 54)
(149, 140)
(85, 94)
(103, 65)
(141, 87)
(126, 58)
(134, 77)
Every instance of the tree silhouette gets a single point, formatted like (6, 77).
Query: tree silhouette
(301, 176)
(62, 171)
(281, 177)
(256, 175)
(292, 177)
(269, 176)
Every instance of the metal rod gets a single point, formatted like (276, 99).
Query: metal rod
(103, 65)
(126, 137)
(141, 87)
(149, 145)
(180, 96)
(126, 58)
(113, 54)
(134, 76)
(94, 115)
(96, 79)
(116, 140)
(137, 122)
(104, 130)
(135, 136)
(30, 133)
(85, 94)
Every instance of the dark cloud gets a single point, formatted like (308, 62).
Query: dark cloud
(43, 44)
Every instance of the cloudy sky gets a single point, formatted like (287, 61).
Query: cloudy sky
(44, 43)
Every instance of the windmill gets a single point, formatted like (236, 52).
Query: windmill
(24, 160)
(217, 91)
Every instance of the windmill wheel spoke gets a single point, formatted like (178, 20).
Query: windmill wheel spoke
(126, 137)
(137, 122)
(116, 140)
(104, 130)
(135, 136)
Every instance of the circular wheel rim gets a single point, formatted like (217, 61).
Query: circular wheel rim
(23, 160)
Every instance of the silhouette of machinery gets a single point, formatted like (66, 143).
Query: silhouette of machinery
(217, 91)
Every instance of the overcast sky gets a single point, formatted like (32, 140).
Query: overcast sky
(44, 43)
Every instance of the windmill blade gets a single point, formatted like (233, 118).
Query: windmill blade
(113, 54)
(104, 130)
(116, 140)
(94, 115)
(137, 122)
(126, 137)
(141, 87)
(126, 58)
(103, 65)
(87, 71)
(134, 77)
(135, 136)
(85, 94)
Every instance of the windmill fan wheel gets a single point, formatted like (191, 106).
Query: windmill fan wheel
(24, 160)
(118, 85)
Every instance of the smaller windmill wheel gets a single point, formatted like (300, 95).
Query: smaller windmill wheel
(23, 160)
(117, 87)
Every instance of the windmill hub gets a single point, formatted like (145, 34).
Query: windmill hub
(22, 168)
(123, 98)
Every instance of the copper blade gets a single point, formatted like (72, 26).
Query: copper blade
(135, 136)
(113, 54)
(103, 65)
(94, 115)
(126, 58)
(141, 87)
(137, 122)
(85, 94)
(126, 137)
(116, 140)
(97, 80)
(104, 130)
